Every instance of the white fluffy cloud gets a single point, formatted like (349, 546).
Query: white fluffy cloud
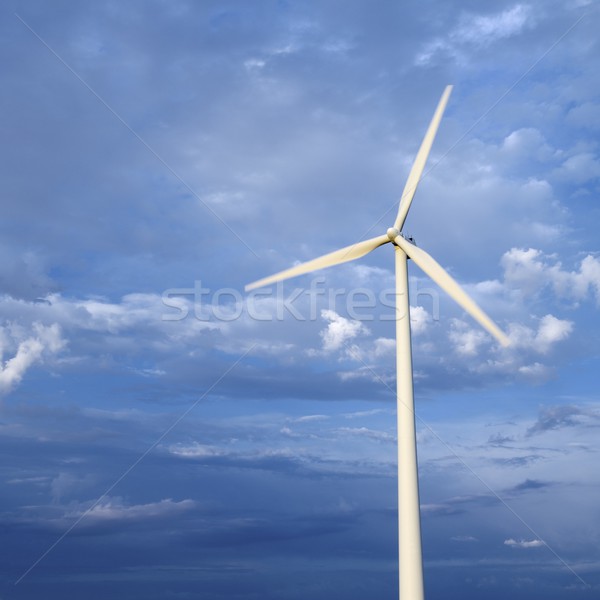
(526, 142)
(531, 270)
(29, 347)
(550, 331)
(527, 344)
(419, 319)
(339, 331)
(466, 340)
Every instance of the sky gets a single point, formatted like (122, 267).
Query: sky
(166, 435)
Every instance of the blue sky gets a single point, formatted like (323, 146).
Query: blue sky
(167, 436)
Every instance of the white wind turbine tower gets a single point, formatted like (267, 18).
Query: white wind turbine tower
(409, 523)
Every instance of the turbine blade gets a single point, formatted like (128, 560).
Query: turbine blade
(333, 258)
(443, 279)
(417, 169)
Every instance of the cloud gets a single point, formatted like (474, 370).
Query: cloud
(559, 417)
(339, 330)
(458, 504)
(196, 450)
(550, 331)
(585, 115)
(364, 413)
(380, 436)
(31, 348)
(278, 459)
(523, 269)
(466, 340)
(530, 484)
(419, 319)
(524, 543)
(116, 510)
(526, 343)
(311, 418)
(385, 347)
(135, 324)
(477, 31)
(370, 353)
(111, 514)
(580, 168)
(487, 29)
(530, 271)
(499, 440)
(527, 142)
(119, 326)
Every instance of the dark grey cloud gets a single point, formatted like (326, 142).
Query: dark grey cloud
(530, 484)
(558, 417)
(518, 461)
(500, 440)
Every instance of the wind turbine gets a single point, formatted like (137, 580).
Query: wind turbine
(409, 522)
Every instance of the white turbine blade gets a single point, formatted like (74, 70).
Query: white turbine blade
(441, 277)
(417, 169)
(328, 260)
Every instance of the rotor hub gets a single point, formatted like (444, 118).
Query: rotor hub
(392, 233)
